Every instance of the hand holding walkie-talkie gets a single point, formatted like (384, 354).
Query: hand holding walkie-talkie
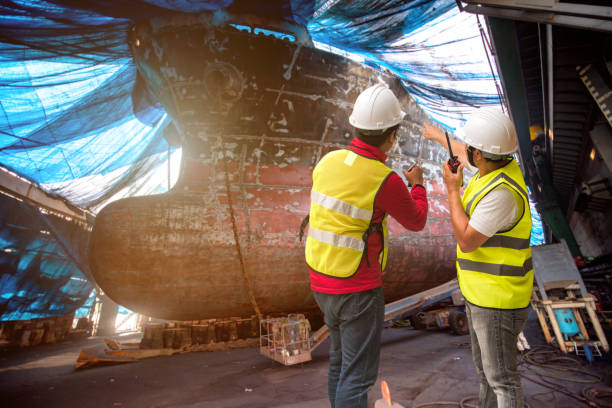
(453, 162)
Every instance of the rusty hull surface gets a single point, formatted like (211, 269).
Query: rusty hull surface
(257, 112)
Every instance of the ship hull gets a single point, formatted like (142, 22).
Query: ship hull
(254, 114)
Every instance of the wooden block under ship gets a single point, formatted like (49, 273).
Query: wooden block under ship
(254, 112)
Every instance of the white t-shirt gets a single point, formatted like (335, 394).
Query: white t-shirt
(497, 211)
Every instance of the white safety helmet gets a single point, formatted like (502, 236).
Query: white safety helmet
(376, 108)
(489, 130)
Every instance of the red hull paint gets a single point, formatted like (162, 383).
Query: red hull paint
(174, 255)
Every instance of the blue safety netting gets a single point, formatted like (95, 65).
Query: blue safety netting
(43, 262)
(76, 119)
(86, 307)
(437, 51)
(537, 228)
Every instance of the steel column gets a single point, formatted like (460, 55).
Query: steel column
(537, 175)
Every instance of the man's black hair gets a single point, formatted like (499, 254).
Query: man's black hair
(375, 138)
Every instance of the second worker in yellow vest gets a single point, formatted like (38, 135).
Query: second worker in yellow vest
(492, 225)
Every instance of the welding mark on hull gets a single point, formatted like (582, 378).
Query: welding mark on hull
(257, 152)
(287, 74)
(287, 102)
(289, 105)
(276, 124)
(327, 80)
(280, 92)
(344, 105)
(349, 88)
(319, 153)
(170, 74)
(158, 49)
(214, 45)
(441, 208)
(243, 194)
(328, 123)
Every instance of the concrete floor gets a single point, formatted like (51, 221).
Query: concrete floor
(419, 366)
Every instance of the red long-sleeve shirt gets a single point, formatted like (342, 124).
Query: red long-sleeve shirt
(409, 208)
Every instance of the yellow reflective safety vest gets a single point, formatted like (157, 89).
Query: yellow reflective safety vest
(344, 187)
(499, 274)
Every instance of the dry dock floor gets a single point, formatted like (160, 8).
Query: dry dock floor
(420, 366)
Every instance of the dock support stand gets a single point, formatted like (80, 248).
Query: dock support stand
(579, 306)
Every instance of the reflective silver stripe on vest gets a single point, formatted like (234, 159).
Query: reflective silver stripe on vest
(468, 207)
(506, 242)
(336, 239)
(495, 269)
(340, 206)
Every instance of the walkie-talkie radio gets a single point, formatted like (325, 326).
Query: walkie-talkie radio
(453, 163)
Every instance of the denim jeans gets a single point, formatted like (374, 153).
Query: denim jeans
(355, 325)
(494, 334)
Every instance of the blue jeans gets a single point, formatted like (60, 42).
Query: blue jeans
(494, 334)
(355, 325)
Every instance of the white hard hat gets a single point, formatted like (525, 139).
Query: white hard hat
(489, 130)
(376, 108)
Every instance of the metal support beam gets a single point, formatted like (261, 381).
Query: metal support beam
(598, 88)
(550, 92)
(546, 12)
(20, 188)
(553, 6)
(601, 135)
(537, 175)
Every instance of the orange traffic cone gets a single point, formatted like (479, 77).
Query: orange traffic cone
(385, 402)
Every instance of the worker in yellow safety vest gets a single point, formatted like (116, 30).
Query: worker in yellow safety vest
(492, 225)
(353, 191)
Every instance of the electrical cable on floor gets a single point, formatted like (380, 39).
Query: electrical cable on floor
(461, 404)
(548, 358)
(596, 395)
(551, 401)
(558, 388)
(531, 358)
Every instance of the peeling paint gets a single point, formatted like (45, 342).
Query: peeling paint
(287, 74)
(174, 256)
